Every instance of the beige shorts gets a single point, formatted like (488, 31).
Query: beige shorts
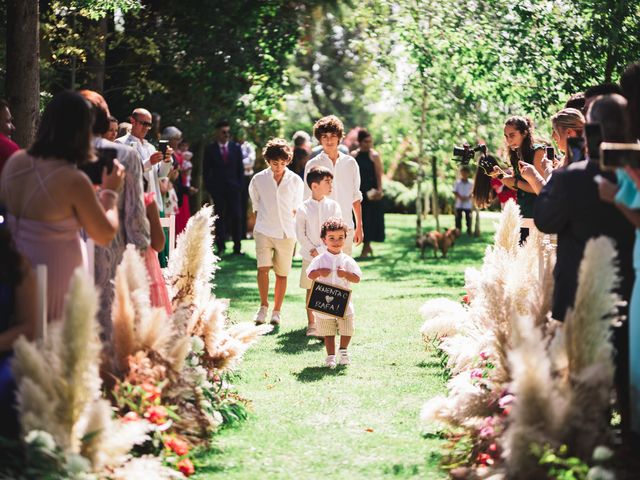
(274, 252)
(332, 326)
(305, 282)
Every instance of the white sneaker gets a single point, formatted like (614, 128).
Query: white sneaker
(275, 318)
(344, 358)
(330, 361)
(261, 315)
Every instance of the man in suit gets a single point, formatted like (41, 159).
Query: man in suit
(224, 179)
(570, 205)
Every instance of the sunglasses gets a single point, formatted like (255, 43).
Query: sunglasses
(143, 123)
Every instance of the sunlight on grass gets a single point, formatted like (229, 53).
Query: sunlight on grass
(360, 421)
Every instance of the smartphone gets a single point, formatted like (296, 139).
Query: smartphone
(619, 155)
(575, 149)
(551, 154)
(163, 147)
(104, 158)
(593, 132)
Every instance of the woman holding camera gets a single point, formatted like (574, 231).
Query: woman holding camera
(525, 153)
(371, 171)
(48, 199)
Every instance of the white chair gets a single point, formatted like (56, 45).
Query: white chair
(170, 223)
(41, 321)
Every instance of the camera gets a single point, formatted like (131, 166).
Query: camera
(104, 159)
(619, 155)
(466, 152)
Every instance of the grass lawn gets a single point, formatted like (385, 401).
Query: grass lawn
(362, 421)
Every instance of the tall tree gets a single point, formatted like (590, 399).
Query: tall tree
(23, 74)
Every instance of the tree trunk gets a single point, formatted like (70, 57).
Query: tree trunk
(23, 69)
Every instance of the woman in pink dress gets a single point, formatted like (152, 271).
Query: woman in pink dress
(48, 199)
(157, 286)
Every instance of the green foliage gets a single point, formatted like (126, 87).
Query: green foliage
(559, 464)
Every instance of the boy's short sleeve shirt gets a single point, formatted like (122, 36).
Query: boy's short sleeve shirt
(346, 182)
(332, 262)
(464, 189)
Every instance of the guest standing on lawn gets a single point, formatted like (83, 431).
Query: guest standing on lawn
(371, 171)
(276, 193)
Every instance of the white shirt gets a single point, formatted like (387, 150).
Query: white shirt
(309, 219)
(333, 262)
(463, 189)
(151, 172)
(346, 182)
(275, 204)
(248, 158)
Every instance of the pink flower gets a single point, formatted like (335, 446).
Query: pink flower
(156, 414)
(180, 447)
(506, 400)
(484, 355)
(186, 467)
(477, 373)
(151, 391)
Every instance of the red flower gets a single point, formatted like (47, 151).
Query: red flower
(180, 447)
(186, 467)
(465, 299)
(152, 392)
(484, 459)
(130, 417)
(156, 414)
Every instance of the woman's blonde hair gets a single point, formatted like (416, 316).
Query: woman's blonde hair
(568, 118)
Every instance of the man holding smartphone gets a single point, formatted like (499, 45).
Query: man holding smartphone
(155, 164)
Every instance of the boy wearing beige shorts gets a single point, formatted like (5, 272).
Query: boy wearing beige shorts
(335, 268)
(309, 219)
(276, 193)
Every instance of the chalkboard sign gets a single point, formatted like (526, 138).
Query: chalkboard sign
(329, 299)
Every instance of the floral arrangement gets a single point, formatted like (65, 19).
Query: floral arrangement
(136, 406)
(522, 386)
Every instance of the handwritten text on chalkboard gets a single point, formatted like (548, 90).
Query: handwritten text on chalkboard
(329, 299)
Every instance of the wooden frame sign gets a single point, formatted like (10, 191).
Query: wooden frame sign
(329, 299)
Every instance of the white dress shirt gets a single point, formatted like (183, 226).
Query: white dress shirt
(333, 262)
(151, 172)
(309, 219)
(275, 204)
(464, 189)
(346, 182)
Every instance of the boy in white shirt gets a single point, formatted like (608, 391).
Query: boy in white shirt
(335, 268)
(276, 193)
(309, 219)
(462, 189)
(346, 176)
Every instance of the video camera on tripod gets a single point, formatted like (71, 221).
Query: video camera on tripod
(466, 153)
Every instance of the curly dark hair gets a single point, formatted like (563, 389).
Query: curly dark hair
(330, 124)
(333, 224)
(317, 174)
(277, 149)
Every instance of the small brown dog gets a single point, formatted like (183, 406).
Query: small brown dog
(438, 241)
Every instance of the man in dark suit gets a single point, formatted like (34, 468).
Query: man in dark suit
(224, 178)
(570, 205)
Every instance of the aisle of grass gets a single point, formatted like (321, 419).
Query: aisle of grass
(309, 422)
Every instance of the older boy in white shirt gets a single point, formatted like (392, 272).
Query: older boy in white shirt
(346, 176)
(276, 193)
(309, 219)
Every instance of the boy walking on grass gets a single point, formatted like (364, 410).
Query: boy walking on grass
(346, 176)
(335, 268)
(309, 219)
(276, 193)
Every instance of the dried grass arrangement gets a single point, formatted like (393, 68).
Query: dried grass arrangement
(522, 384)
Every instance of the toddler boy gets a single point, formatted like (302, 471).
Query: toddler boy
(309, 219)
(276, 193)
(335, 268)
